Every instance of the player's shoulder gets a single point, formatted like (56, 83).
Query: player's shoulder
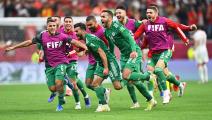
(116, 24)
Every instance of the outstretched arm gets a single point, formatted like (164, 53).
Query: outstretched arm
(186, 27)
(79, 44)
(20, 45)
(180, 33)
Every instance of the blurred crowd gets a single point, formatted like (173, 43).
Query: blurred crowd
(188, 12)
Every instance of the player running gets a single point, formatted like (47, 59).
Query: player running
(156, 30)
(54, 46)
(130, 54)
(106, 65)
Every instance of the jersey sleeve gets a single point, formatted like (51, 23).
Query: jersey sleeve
(93, 45)
(39, 46)
(137, 23)
(139, 31)
(183, 27)
(180, 33)
(126, 34)
(144, 43)
(37, 39)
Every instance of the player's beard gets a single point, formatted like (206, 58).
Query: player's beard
(80, 37)
(92, 29)
(150, 18)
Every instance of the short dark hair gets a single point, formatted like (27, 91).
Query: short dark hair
(153, 7)
(81, 25)
(122, 7)
(68, 17)
(49, 19)
(110, 13)
(57, 16)
(91, 17)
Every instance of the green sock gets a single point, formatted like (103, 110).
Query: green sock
(100, 94)
(161, 77)
(90, 87)
(131, 91)
(76, 95)
(142, 89)
(137, 76)
(61, 95)
(171, 78)
(81, 87)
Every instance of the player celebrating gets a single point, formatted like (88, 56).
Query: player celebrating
(96, 29)
(156, 30)
(56, 61)
(72, 73)
(130, 54)
(132, 26)
(106, 64)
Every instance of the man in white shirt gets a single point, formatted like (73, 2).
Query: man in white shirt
(201, 54)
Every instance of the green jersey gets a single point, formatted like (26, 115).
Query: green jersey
(93, 43)
(117, 34)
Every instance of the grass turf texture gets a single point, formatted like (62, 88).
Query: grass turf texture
(29, 102)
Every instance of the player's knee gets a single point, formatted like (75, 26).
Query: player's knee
(94, 84)
(59, 86)
(125, 75)
(52, 88)
(117, 85)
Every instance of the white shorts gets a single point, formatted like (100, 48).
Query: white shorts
(201, 55)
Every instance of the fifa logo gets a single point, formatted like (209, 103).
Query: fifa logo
(155, 28)
(54, 44)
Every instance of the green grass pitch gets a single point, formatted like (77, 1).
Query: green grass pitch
(29, 102)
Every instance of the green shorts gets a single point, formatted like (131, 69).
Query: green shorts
(55, 73)
(114, 71)
(90, 71)
(165, 56)
(132, 64)
(72, 70)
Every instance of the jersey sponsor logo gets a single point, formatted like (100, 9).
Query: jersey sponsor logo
(54, 44)
(113, 33)
(92, 45)
(158, 27)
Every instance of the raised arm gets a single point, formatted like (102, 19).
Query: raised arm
(180, 33)
(186, 27)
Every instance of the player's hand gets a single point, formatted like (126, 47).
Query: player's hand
(187, 43)
(106, 71)
(133, 54)
(144, 21)
(71, 53)
(9, 49)
(41, 56)
(193, 27)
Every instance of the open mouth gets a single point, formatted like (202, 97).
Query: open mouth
(118, 17)
(103, 22)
